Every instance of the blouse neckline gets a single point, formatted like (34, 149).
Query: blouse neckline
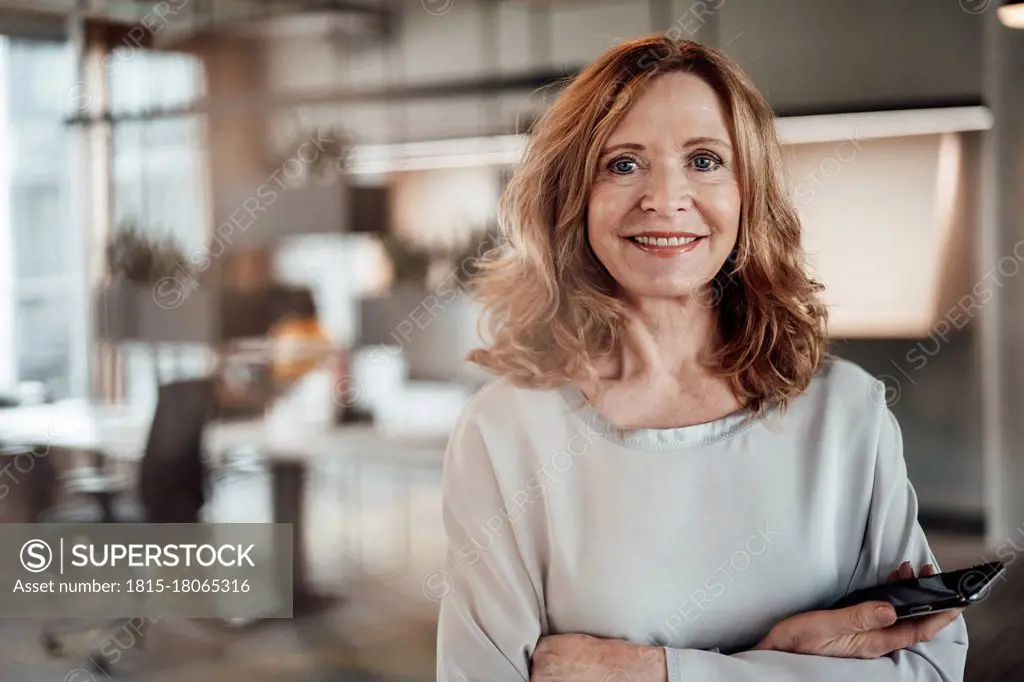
(655, 439)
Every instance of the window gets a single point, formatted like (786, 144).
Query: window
(39, 74)
(157, 182)
(40, 250)
(158, 176)
(158, 179)
(42, 273)
(44, 340)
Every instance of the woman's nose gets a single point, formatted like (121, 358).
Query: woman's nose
(669, 190)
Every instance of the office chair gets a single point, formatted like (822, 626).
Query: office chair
(172, 486)
(173, 478)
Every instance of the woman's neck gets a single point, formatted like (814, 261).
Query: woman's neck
(663, 338)
(656, 378)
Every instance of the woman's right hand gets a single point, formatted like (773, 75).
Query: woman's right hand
(867, 630)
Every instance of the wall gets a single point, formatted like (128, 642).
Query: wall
(915, 233)
(938, 407)
(237, 159)
(1003, 248)
(446, 207)
(808, 54)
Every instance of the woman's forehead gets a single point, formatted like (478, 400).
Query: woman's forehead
(676, 103)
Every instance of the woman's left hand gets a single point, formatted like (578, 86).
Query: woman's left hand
(582, 658)
(856, 631)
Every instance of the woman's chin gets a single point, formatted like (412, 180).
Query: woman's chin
(698, 290)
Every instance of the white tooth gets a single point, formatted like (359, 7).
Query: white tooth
(673, 241)
(662, 241)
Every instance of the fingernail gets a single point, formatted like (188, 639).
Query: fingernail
(886, 614)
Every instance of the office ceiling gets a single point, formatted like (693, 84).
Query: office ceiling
(131, 11)
(352, 23)
(183, 19)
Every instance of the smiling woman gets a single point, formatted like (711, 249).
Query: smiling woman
(670, 480)
(655, 140)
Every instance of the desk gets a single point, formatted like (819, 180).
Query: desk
(116, 430)
(120, 433)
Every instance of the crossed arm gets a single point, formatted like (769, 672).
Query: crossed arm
(493, 626)
(864, 632)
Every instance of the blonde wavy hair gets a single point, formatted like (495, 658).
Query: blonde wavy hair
(549, 304)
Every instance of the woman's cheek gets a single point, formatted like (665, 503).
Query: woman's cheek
(601, 211)
(720, 200)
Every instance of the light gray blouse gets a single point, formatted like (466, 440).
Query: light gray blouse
(698, 539)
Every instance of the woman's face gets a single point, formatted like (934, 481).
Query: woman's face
(664, 211)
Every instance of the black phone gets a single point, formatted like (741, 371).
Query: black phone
(933, 594)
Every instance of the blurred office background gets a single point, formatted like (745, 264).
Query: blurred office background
(279, 199)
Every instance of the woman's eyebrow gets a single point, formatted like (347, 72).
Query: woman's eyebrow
(695, 141)
(692, 142)
(632, 146)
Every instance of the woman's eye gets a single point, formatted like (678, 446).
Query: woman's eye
(706, 162)
(623, 166)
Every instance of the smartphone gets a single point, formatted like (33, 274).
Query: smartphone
(933, 594)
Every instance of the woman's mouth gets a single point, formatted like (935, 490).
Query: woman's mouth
(666, 247)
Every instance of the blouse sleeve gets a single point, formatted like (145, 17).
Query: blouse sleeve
(491, 603)
(892, 536)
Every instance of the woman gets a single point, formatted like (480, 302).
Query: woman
(671, 479)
